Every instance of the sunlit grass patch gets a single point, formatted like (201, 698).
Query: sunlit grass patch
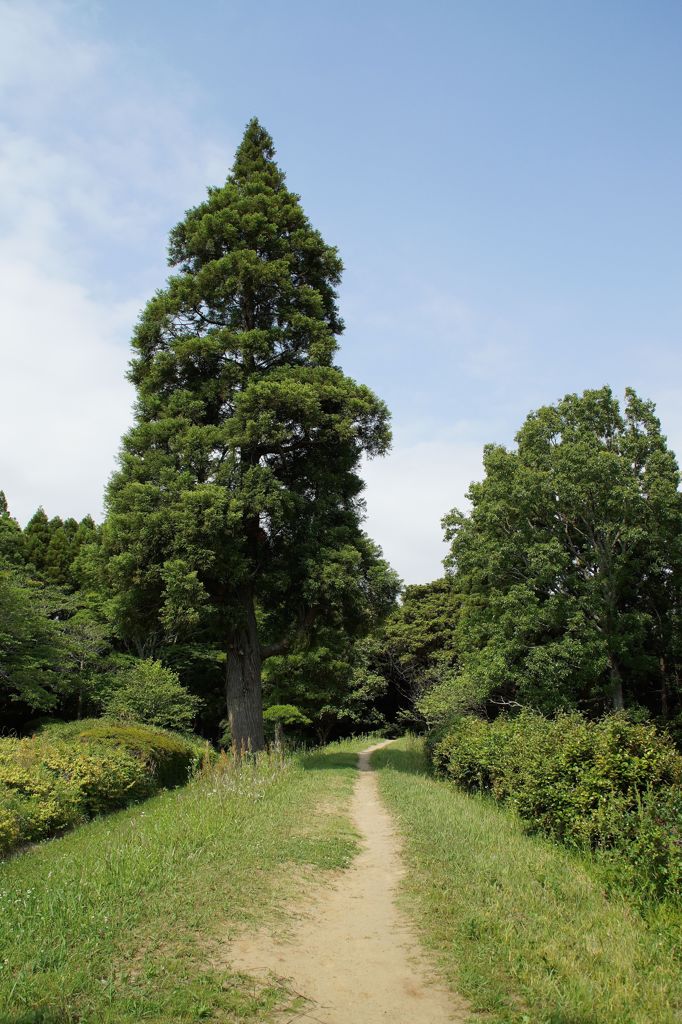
(109, 923)
(522, 927)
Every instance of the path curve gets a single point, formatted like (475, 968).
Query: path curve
(351, 953)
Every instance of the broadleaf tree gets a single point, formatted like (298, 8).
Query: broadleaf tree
(236, 509)
(570, 562)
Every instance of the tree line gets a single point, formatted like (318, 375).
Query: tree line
(232, 565)
(563, 584)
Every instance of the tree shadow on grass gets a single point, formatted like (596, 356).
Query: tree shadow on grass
(330, 760)
(411, 762)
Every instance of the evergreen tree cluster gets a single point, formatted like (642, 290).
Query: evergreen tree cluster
(54, 643)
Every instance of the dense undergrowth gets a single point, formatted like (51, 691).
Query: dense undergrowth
(524, 927)
(67, 774)
(612, 786)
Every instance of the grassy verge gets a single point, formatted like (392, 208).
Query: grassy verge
(112, 923)
(522, 927)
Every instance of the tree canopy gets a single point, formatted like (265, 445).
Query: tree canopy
(237, 509)
(570, 561)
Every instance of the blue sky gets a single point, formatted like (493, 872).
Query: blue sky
(502, 179)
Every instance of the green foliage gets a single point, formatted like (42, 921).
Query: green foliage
(35, 801)
(285, 714)
(54, 648)
(331, 678)
(651, 842)
(151, 693)
(453, 694)
(597, 785)
(51, 546)
(11, 545)
(414, 650)
(235, 514)
(168, 757)
(36, 538)
(521, 926)
(419, 638)
(332, 683)
(67, 774)
(570, 563)
(30, 643)
(87, 662)
(55, 654)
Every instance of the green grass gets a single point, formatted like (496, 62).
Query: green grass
(115, 922)
(522, 927)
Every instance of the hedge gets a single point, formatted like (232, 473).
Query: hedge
(67, 774)
(614, 786)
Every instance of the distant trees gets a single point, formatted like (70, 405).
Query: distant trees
(54, 650)
(30, 645)
(413, 651)
(11, 539)
(329, 677)
(570, 563)
(236, 511)
(51, 546)
(418, 644)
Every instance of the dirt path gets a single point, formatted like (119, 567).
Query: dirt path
(350, 952)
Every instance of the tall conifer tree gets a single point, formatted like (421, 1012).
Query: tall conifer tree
(11, 540)
(36, 538)
(237, 502)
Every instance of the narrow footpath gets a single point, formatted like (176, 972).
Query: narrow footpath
(350, 952)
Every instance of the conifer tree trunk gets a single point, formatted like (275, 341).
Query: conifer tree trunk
(243, 683)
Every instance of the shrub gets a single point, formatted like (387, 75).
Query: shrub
(150, 693)
(69, 773)
(10, 832)
(105, 780)
(35, 802)
(654, 846)
(607, 785)
(169, 758)
(279, 715)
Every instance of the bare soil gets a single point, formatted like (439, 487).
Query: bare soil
(349, 952)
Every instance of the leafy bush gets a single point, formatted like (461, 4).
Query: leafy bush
(150, 693)
(168, 758)
(611, 785)
(70, 773)
(653, 843)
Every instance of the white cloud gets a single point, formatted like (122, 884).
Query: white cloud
(451, 334)
(64, 402)
(93, 172)
(41, 62)
(408, 493)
